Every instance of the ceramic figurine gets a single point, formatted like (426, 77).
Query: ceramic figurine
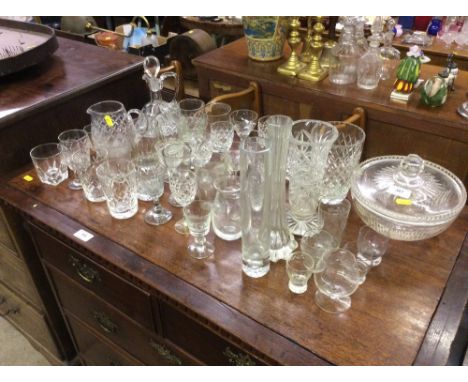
(434, 91)
(407, 74)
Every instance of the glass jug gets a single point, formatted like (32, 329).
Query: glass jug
(226, 212)
(112, 128)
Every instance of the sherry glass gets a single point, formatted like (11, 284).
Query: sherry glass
(243, 121)
(71, 141)
(183, 185)
(198, 217)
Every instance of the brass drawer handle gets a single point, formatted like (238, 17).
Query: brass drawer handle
(105, 322)
(164, 352)
(238, 359)
(84, 271)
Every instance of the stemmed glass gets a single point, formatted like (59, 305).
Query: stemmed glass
(192, 118)
(243, 121)
(71, 141)
(150, 177)
(173, 155)
(198, 216)
(183, 185)
(337, 281)
(221, 136)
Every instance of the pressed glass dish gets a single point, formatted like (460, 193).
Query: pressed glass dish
(406, 198)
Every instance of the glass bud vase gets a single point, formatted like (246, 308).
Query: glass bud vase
(255, 171)
(282, 242)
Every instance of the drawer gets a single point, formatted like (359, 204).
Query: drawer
(218, 88)
(5, 237)
(15, 274)
(200, 341)
(98, 352)
(112, 288)
(27, 319)
(113, 324)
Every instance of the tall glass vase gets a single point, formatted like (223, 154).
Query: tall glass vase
(255, 171)
(282, 242)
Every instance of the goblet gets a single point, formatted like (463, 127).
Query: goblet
(317, 245)
(150, 178)
(72, 141)
(338, 280)
(183, 185)
(243, 121)
(198, 216)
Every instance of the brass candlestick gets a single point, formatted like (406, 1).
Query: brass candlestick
(306, 54)
(314, 72)
(293, 66)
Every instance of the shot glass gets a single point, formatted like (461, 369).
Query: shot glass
(335, 218)
(316, 245)
(48, 160)
(198, 218)
(371, 246)
(299, 268)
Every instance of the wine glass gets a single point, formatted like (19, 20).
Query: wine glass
(243, 121)
(198, 217)
(183, 185)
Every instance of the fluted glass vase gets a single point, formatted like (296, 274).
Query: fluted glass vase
(310, 142)
(282, 242)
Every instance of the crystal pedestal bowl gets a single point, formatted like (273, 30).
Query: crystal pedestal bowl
(406, 198)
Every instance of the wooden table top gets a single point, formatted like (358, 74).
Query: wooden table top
(225, 27)
(390, 312)
(75, 66)
(232, 59)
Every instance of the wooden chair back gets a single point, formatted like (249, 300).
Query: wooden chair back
(249, 98)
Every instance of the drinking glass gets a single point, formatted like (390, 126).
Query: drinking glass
(173, 155)
(231, 158)
(86, 171)
(262, 126)
(371, 246)
(361, 266)
(201, 149)
(226, 208)
(343, 158)
(198, 216)
(243, 121)
(192, 118)
(183, 185)
(48, 160)
(150, 178)
(334, 218)
(118, 180)
(221, 136)
(299, 268)
(338, 280)
(72, 141)
(217, 111)
(316, 245)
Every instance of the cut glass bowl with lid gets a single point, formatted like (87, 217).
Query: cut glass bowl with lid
(406, 198)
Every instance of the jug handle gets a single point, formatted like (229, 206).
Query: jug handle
(163, 77)
(140, 116)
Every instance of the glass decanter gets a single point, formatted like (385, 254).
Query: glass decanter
(390, 57)
(359, 37)
(369, 66)
(343, 68)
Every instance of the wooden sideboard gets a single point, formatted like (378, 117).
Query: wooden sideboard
(36, 104)
(132, 295)
(437, 134)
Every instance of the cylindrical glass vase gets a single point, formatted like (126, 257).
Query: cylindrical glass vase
(254, 174)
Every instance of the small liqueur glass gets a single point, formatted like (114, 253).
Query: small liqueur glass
(150, 178)
(243, 121)
(335, 218)
(198, 217)
(72, 141)
(338, 280)
(317, 245)
(299, 268)
(371, 246)
(183, 185)
(48, 160)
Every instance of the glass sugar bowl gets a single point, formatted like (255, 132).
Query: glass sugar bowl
(226, 208)
(406, 198)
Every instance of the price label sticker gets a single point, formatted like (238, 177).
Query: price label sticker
(83, 235)
(28, 178)
(109, 120)
(403, 202)
(399, 191)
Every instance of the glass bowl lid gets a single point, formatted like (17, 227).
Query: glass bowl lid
(408, 190)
